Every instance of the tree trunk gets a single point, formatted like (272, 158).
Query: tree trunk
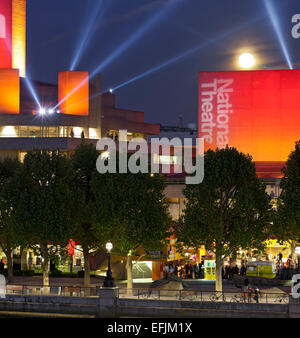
(129, 274)
(86, 255)
(219, 265)
(24, 261)
(10, 269)
(45, 255)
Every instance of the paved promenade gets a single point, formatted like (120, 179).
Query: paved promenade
(200, 285)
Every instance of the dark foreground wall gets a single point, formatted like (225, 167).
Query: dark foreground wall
(109, 305)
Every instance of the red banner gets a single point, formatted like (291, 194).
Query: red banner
(71, 247)
(255, 111)
(6, 34)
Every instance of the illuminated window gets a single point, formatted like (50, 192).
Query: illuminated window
(8, 131)
(77, 131)
(93, 133)
(163, 159)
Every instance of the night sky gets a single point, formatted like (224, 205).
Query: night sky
(223, 28)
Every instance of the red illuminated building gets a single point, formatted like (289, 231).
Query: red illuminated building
(256, 112)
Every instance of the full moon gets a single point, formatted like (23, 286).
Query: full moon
(246, 60)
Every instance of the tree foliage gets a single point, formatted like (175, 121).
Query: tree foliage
(132, 210)
(84, 163)
(9, 237)
(228, 211)
(287, 222)
(45, 201)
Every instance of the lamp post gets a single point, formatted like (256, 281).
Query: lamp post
(108, 281)
(297, 250)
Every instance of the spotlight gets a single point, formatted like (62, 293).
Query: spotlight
(88, 30)
(125, 45)
(32, 91)
(189, 52)
(50, 111)
(277, 27)
(42, 111)
(138, 34)
(111, 90)
(58, 111)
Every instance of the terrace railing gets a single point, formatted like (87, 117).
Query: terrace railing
(154, 294)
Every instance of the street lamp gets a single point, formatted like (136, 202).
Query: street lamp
(297, 250)
(108, 281)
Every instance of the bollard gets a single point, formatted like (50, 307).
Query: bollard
(107, 306)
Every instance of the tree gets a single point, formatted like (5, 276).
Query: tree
(84, 163)
(9, 238)
(45, 201)
(131, 209)
(287, 222)
(228, 211)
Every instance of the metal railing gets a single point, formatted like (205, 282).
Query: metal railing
(52, 290)
(206, 296)
(153, 294)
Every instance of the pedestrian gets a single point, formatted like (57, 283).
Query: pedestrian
(181, 271)
(284, 273)
(171, 269)
(245, 288)
(226, 272)
(186, 267)
(166, 271)
(176, 270)
(1, 267)
(197, 271)
(231, 272)
(201, 269)
(256, 294)
(191, 271)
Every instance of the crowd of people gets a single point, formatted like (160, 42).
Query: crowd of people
(185, 270)
(285, 270)
(195, 270)
(228, 271)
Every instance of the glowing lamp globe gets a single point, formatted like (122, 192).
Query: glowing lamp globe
(109, 246)
(246, 60)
